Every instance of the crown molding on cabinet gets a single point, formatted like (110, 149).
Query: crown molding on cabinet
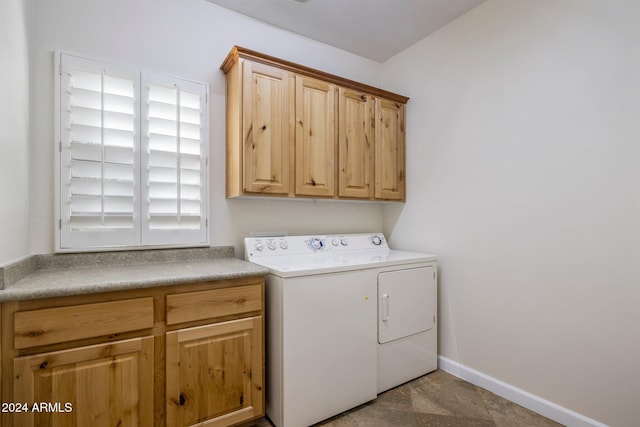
(238, 52)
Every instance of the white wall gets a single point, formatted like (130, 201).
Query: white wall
(523, 149)
(15, 24)
(188, 38)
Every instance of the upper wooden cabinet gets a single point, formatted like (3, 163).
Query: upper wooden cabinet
(389, 152)
(356, 132)
(315, 137)
(264, 124)
(294, 131)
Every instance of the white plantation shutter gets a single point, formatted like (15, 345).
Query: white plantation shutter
(99, 129)
(133, 157)
(175, 152)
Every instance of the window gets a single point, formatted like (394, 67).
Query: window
(132, 165)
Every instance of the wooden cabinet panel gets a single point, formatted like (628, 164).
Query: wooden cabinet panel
(315, 137)
(62, 324)
(266, 124)
(101, 385)
(389, 151)
(214, 373)
(190, 306)
(356, 130)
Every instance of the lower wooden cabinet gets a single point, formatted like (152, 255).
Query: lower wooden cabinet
(214, 373)
(100, 385)
(172, 356)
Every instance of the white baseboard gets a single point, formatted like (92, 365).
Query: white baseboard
(530, 401)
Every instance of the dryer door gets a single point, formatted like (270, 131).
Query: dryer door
(406, 302)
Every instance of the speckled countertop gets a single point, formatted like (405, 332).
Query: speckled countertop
(46, 276)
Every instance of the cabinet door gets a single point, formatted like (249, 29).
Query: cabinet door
(355, 144)
(266, 129)
(214, 373)
(100, 385)
(315, 137)
(389, 151)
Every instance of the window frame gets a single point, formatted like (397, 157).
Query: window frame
(200, 236)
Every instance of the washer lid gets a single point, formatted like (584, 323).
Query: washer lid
(290, 256)
(323, 263)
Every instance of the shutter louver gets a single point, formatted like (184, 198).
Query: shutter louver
(99, 166)
(175, 207)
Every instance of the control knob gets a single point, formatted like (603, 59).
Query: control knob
(376, 240)
(259, 246)
(316, 243)
(284, 244)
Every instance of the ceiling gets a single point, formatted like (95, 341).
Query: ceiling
(374, 29)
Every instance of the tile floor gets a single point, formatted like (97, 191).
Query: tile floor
(436, 400)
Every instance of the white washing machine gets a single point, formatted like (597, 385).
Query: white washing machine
(346, 318)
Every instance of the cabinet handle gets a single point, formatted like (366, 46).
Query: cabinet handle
(386, 313)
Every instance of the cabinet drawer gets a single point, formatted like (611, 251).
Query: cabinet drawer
(62, 324)
(201, 305)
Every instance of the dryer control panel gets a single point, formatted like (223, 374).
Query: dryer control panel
(300, 245)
